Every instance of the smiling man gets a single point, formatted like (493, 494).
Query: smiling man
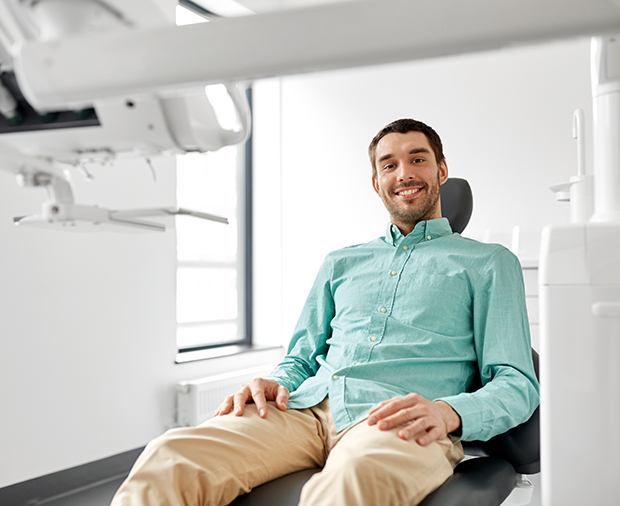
(407, 174)
(376, 386)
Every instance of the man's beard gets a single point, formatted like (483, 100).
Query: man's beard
(423, 207)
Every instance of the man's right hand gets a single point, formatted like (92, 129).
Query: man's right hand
(258, 391)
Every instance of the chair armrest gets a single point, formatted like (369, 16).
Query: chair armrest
(520, 445)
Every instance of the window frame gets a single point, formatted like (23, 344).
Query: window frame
(244, 261)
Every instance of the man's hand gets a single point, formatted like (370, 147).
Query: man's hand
(259, 391)
(417, 417)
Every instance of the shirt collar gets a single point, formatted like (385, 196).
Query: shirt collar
(426, 229)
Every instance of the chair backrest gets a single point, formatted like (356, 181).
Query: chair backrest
(456, 202)
(520, 445)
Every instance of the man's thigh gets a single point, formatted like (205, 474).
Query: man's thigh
(370, 466)
(225, 456)
(283, 442)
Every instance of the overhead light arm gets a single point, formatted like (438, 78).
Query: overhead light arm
(63, 73)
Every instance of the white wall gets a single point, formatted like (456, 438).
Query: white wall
(505, 119)
(88, 330)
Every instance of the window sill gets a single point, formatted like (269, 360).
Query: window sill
(219, 352)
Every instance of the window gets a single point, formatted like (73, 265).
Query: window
(213, 267)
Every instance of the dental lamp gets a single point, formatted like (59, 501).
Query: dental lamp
(42, 144)
(579, 269)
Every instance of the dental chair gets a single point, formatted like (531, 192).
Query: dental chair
(496, 465)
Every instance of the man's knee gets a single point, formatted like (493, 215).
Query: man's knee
(170, 442)
(376, 475)
(355, 480)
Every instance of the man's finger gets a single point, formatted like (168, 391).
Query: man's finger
(391, 407)
(258, 394)
(380, 405)
(394, 405)
(225, 407)
(401, 417)
(432, 435)
(282, 398)
(416, 428)
(240, 398)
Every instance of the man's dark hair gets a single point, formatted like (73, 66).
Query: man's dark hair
(403, 126)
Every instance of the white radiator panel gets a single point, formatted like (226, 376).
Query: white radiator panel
(198, 399)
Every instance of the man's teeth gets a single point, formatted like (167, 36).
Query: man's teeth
(410, 192)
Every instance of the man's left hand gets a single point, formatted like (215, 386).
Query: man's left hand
(425, 421)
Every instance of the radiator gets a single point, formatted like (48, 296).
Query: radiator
(198, 399)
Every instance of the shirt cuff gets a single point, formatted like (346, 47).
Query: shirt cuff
(471, 416)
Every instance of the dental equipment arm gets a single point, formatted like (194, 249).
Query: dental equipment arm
(61, 211)
(296, 41)
(36, 142)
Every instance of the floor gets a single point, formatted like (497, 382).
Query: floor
(101, 494)
(95, 495)
(526, 496)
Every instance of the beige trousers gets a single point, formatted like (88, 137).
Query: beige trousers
(229, 455)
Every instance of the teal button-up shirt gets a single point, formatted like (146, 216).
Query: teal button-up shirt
(426, 313)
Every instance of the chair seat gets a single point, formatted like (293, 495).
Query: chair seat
(284, 491)
(484, 481)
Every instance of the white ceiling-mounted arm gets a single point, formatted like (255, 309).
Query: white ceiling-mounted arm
(239, 100)
(323, 37)
(61, 211)
(143, 124)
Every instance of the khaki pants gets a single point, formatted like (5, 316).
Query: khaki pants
(229, 455)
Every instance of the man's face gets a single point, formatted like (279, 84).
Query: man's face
(407, 177)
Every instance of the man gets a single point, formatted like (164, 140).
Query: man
(375, 387)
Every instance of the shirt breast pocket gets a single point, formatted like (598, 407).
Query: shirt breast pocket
(441, 303)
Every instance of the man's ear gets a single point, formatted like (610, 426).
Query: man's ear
(375, 182)
(443, 172)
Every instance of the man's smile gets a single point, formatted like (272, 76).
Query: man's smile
(408, 193)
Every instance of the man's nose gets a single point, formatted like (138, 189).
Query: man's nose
(405, 172)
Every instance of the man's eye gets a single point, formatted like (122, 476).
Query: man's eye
(418, 160)
(389, 166)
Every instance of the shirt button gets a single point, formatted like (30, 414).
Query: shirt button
(383, 309)
(393, 273)
(335, 377)
(405, 248)
(373, 338)
(428, 237)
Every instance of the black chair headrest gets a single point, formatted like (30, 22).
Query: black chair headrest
(457, 203)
